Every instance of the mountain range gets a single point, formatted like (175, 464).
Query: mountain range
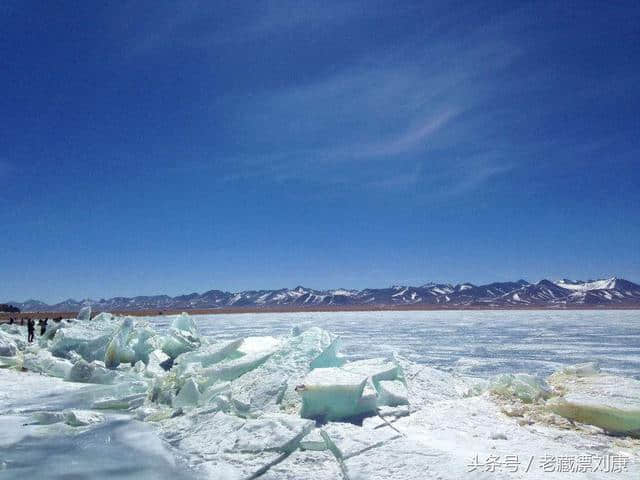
(545, 293)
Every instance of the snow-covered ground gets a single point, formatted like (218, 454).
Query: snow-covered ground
(387, 395)
(478, 343)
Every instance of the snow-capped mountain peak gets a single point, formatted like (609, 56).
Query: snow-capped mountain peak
(605, 292)
(580, 286)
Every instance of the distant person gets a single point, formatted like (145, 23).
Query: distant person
(43, 326)
(22, 321)
(31, 327)
(10, 320)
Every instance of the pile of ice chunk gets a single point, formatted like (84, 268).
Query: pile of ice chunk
(301, 374)
(89, 340)
(180, 377)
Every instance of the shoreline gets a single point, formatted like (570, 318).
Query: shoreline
(4, 316)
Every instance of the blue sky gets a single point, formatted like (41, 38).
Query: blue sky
(170, 147)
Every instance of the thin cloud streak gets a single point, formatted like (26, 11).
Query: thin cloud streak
(411, 139)
(349, 126)
(361, 120)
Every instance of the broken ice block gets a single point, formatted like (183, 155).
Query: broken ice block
(156, 360)
(211, 394)
(235, 368)
(607, 401)
(331, 394)
(93, 372)
(207, 355)
(103, 317)
(368, 402)
(84, 314)
(14, 334)
(183, 336)
(392, 393)
(117, 351)
(186, 323)
(144, 340)
(188, 396)
(329, 356)
(8, 347)
(377, 369)
(81, 418)
(82, 371)
(8, 362)
(611, 420)
(271, 385)
(89, 339)
(47, 418)
(259, 344)
(43, 362)
(520, 385)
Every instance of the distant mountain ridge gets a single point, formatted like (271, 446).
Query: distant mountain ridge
(545, 293)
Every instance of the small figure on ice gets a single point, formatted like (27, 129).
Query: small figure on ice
(31, 327)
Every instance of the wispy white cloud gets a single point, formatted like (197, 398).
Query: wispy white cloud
(381, 124)
(412, 138)
(389, 120)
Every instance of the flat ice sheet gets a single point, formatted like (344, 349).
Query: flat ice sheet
(477, 343)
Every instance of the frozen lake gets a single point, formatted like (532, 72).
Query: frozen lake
(478, 343)
(446, 426)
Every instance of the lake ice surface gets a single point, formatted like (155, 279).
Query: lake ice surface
(437, 440)
(477, 343)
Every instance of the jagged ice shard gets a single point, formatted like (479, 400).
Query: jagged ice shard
(84, 314)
